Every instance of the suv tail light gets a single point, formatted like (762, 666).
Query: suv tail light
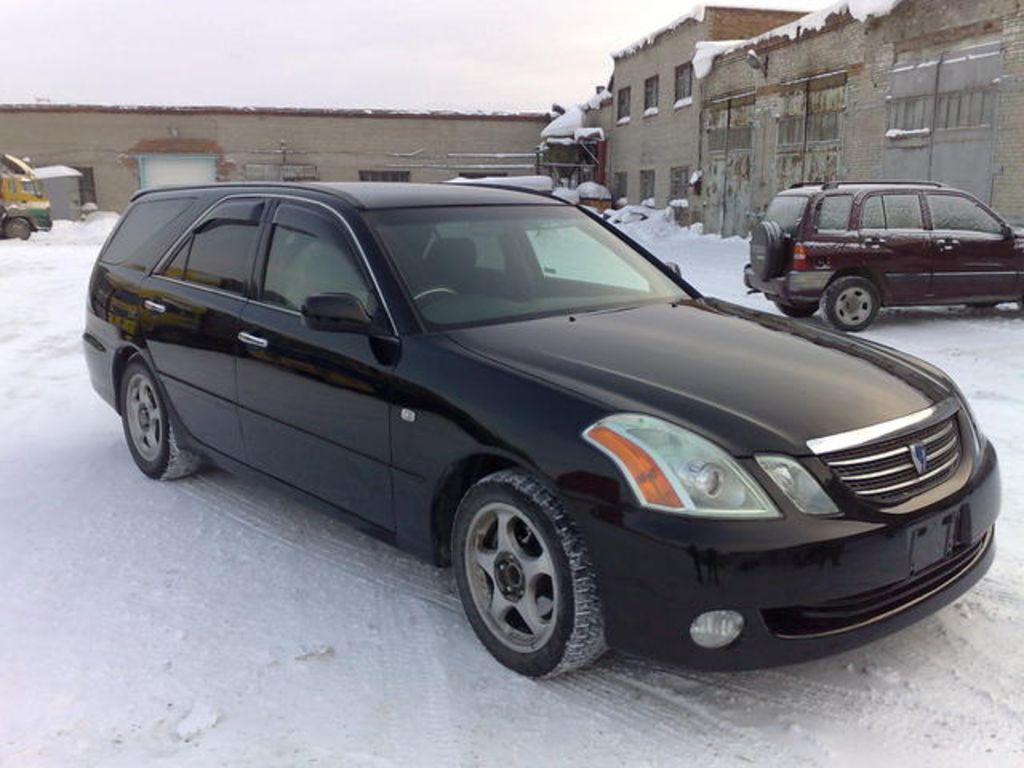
(800, 261)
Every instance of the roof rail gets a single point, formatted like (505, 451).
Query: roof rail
(801, 184)
(883, 182)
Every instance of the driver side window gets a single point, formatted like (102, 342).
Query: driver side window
(309, 255)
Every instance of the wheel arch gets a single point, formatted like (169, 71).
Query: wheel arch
(120, 361)
(860, 271)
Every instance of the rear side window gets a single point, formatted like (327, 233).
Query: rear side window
(892, 212)
(219, 254)
(786, 211)
(148, 227)
(953, 212)
(834, 213)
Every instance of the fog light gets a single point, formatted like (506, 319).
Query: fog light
(716, 629)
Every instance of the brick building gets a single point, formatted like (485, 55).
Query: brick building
(931, 90)
(120, 149)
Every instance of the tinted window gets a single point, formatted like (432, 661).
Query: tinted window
(301, 265)
(144, 225)
(952, 212)
(554, 260)
(220, 255)
(834, 213)
(872, 214)
(903, 212)
(786, 211)
(891, 212)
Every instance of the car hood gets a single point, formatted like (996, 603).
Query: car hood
(748, 380)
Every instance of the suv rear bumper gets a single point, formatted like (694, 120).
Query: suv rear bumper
(792, 287)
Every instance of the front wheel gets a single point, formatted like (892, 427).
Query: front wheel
(796, 310)
(851, 303)
(17, 229)
(525, 577)
(148, 429)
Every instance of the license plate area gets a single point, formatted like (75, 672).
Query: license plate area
(935, 540)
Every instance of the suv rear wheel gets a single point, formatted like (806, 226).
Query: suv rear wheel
(796, 310)
(851, 303)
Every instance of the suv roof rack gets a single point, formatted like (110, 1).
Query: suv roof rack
(801, 184)
(882, 182)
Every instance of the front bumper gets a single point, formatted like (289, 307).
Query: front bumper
(792, 287)
(806, 587)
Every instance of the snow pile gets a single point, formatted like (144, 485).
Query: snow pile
(589, 134)
(565, 125)
(651, 112)
(860, 10)
(901, 133)
(685, 102)
(696, 14)
(598, 100)
(92, 231)
(591, 190)
(567, 194)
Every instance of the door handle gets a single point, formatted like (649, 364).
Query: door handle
(154, 306)
(874, 242)
(948, 243)
(253, 341)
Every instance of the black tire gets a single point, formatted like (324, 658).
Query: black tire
(17, 229)
(768, 250)
(573, 635)
(148, 426)
(796, 310)
(851, 303)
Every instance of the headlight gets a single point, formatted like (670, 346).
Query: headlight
(799, 485)
(672, 469)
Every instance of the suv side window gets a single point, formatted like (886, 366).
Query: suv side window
(955, 212)
(892, 211)
(219, 253)
(310, 255)
(834, 214)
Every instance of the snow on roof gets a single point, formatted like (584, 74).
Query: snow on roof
(535, 183)
(593, 134)
(565, 125)
(695, 14)
(598, 100)
(860, 10)
(55, 172)
(591, 190)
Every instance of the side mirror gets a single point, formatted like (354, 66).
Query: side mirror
(336, 312)
(1008, 233)
(674, 268)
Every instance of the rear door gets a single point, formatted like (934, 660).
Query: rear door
(896, 246)
(974, 256)
(192, 306)
(314, 404)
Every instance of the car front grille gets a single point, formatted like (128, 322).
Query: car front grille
(885, 473)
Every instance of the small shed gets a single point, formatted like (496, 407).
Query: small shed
(63, 187)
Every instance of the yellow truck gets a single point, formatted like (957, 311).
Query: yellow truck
(24, 207)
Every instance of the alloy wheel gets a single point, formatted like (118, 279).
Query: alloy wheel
(854, 305)
(145, 417)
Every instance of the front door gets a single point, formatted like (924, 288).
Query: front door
(314, 404)
(191, 311)
(975, 255)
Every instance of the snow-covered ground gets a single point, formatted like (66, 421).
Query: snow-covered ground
(209, 622)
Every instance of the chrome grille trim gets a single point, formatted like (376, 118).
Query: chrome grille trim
(883, 473)
(857, 437)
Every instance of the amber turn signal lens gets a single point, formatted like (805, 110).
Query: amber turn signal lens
(800, 257)
(647, 476)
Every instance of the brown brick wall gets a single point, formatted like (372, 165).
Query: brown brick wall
(743, 23)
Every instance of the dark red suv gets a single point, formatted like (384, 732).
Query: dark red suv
(852, 248)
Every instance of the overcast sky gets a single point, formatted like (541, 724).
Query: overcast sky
(438, 54)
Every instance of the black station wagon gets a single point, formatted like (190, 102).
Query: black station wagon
(502, 382)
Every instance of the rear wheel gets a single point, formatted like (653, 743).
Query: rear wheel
(525, 578)
(796, 310)
(148, 429)
(17, 229)
(851, 303)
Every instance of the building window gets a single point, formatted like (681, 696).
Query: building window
(646, 185)
(621, 185)
(623, 104)
(684, 83)
(965, 109)
(396, 176)
(679, 182)
(86, 185)
(280, 172)
(651, 93)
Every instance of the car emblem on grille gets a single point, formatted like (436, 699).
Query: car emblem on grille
(919, 455)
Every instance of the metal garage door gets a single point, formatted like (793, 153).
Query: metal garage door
(729, 127)
(942, 118)
(165, 170)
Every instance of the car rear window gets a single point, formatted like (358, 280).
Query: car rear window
(786, 211)
(146, 230)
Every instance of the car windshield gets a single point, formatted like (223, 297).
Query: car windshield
(786, 211)
(466, 266)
